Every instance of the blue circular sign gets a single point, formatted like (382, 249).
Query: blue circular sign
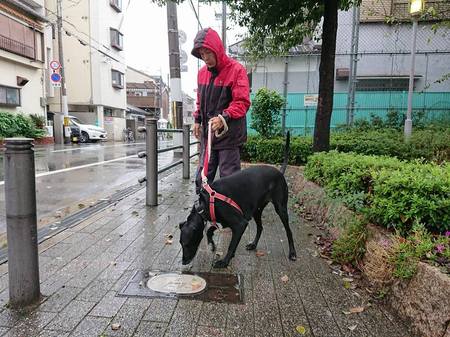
(55, 77)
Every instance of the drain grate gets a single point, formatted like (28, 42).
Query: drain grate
(224, 288)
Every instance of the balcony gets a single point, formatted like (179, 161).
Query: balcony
(16, 47)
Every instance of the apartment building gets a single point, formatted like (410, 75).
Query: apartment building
(94, 62)
(23, 32)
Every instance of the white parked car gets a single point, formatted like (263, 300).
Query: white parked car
(88, 132)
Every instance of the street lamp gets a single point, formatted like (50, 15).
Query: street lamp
(415, 10)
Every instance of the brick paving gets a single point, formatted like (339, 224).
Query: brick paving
(83, 268)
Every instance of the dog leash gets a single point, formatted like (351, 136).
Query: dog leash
(213, 194)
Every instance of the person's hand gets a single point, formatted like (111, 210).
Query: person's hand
(197, 130)
(216, 123)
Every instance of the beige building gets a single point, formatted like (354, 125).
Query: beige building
(94, 62)
(23, 31)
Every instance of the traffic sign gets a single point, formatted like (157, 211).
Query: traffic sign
(55, 77)
(55, 65)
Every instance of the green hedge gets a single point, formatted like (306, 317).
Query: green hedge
(390, 192)
(432, 145)
(17, 125)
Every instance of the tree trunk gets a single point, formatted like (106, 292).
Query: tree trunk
(326, 77)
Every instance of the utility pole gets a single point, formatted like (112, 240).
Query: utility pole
(353, 67)
(408, 120)
(63, 94)
(224, 25)
(175, 73)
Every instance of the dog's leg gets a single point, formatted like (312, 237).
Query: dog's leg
(209, 237)
(237, 232)
(259, 228)
(281, 209)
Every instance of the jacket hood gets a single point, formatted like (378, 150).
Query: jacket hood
(208, 38)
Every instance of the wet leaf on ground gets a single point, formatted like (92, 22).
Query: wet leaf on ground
(352, 327)
(285, 279)
(115, 326)
(300, 329)
(260, 253)
(135, 213)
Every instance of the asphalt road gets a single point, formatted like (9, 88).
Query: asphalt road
(75, 176)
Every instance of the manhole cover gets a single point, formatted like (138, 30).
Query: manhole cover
(183, 284)
(216, 287)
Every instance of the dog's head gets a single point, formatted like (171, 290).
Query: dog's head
(191, 235)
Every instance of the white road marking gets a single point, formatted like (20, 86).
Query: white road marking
(94, 147)
(43, 174)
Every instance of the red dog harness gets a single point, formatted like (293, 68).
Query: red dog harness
(213, 194)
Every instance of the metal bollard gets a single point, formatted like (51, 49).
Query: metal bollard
(152, 162)
(186, 150)
(21, 223)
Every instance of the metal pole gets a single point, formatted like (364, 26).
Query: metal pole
(20, 202)
(152, 162)
(353, 67)
(186, 151)
(408, 121)
(224, 25)
(64, 106)
(285, 94)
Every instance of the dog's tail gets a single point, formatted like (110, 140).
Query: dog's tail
(286, 152)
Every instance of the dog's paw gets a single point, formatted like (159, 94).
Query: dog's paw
(220, 264)
(293, 256)
(250, 246)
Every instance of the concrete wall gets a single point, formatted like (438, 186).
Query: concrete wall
(114, 127)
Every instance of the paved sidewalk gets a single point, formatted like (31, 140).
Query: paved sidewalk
(84, 267)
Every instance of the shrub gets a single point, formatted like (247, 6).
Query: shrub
(391, 192)
(39, 121)
(259, 149)
(266, 112)
(17, 125)
(413, 192)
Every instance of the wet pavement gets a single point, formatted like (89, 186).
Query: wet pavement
(83, 268)
(76, 176)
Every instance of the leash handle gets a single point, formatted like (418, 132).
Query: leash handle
(207, 156)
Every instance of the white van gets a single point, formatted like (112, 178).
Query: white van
(88, 132)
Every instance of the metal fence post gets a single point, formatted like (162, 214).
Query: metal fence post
(152, 162)
(20, 202)
(186, 150)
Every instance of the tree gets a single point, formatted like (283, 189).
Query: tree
(275, 26)
(266, 112)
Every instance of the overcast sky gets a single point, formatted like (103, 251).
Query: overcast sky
(145, 36)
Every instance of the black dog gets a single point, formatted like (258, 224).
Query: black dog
(252, 189)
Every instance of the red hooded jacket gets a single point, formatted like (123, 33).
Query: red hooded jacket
(223, 89)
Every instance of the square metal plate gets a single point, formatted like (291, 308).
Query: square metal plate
(225, 288)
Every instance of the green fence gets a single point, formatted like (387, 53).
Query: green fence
(300, 118)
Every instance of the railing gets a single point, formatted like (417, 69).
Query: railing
(151, 156)
(16, 47)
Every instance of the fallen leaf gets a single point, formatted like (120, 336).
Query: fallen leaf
(285, 278)
(135, 213)
(114, 263)
(352, 327)
(260, 253)
(356, 310)
(300, 329)
(347, 279)
(169, 242)
(81, 205)
(347, 285)
(169, 236)
(115, 326)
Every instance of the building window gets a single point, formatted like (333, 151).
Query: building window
(9, 96)
(385, 84)
(116, 39)
(117, 79)
(116, 4)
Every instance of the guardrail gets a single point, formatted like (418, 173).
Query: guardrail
(151, 156)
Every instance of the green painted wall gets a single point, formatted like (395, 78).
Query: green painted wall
(300, 119)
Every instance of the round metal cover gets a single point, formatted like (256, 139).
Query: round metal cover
(183, 284)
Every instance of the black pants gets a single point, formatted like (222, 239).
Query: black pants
(227, 161)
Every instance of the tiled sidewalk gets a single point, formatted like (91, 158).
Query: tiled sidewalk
(84, 267)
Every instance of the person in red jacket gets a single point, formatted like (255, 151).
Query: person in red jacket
(223, 98)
